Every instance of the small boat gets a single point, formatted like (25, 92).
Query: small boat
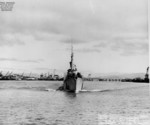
(73, 81)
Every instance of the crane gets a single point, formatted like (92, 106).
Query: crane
(147, 75)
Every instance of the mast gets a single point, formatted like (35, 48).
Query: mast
(71, 62)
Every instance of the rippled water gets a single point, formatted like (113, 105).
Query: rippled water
(100, 103)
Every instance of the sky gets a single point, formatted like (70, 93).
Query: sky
(108, 36)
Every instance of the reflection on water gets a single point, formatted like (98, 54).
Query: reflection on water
(100, 103)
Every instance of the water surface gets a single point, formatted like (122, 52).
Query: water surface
(100, 103)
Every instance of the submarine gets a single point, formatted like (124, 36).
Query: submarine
(73, 80)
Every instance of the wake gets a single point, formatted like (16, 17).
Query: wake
(82, 91)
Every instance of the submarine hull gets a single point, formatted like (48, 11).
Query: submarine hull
(73, 85)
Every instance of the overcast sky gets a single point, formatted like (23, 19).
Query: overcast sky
(108, 35)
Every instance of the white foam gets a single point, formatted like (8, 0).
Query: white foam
(49, 89)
